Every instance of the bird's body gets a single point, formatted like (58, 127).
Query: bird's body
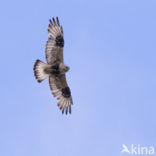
(55, 68)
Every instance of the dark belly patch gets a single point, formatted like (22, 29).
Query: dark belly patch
(59, 41)
(66, 92)
(55, 69)
(57, 72)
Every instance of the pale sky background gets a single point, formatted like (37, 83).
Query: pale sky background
(110, 46)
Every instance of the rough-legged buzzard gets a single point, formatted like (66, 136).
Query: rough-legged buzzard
(55, 68)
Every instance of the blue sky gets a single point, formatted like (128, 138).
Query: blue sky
(110, 48)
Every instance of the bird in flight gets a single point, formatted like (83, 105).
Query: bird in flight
(55, 68)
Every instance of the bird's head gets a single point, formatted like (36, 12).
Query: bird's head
(67, 68)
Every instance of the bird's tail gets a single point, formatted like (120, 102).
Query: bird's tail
(39, 70)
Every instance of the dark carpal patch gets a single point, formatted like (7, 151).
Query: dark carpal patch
(59, 41)
(66, 92)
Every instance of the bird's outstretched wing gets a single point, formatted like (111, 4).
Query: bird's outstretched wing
(60, 89)
(55, 43)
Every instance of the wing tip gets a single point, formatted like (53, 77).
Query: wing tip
(54, 21)
(65, 106)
